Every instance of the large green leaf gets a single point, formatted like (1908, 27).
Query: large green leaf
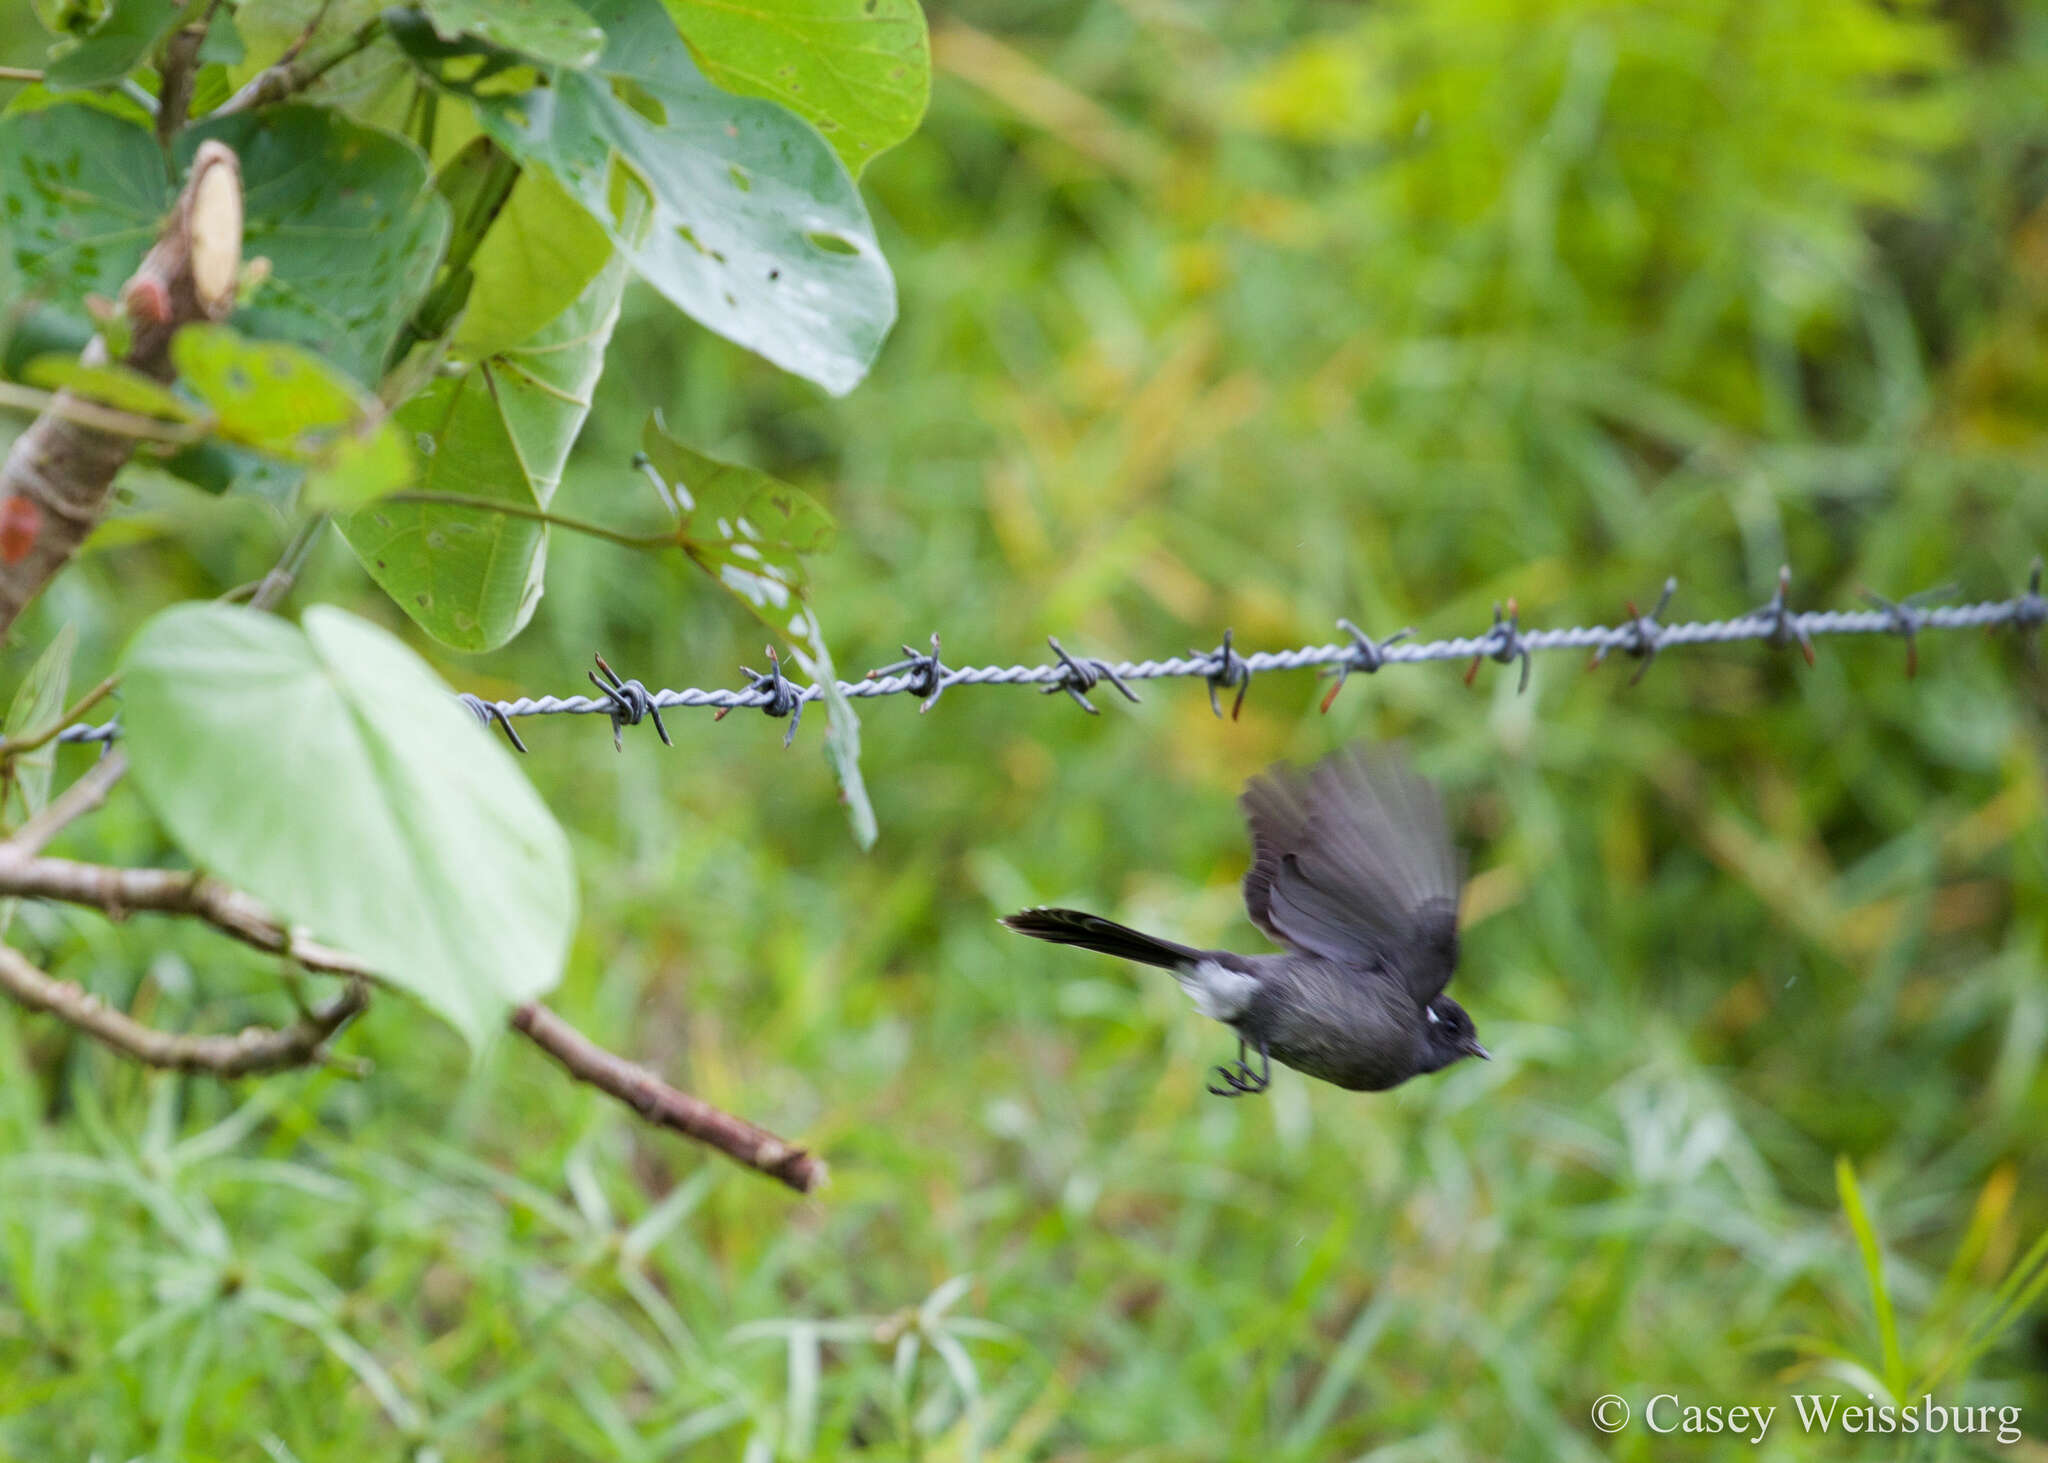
(540, 255)
(860, 71)
(348, 218)
(501, 430)
(332, 775)
(757, 229)
(749, 532)
(289, 404)
(81, 195)
(553, 32)
(106, 54)
(344, 213)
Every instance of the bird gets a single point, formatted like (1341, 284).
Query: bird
(1354, 874)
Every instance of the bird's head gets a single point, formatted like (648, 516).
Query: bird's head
(1450, 1034)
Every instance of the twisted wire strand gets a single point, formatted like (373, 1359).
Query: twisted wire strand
(627, 702)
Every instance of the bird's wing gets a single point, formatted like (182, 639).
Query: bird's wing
(1351, 861)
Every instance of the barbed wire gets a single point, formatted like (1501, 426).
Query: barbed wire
(627, 702)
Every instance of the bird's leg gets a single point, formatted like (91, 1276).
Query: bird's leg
(1238, 1078)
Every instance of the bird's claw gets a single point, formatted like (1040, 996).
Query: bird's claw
(1239, 1080)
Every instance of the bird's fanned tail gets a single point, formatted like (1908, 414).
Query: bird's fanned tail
(1106, 937)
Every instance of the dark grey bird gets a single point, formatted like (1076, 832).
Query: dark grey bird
(1354, 873)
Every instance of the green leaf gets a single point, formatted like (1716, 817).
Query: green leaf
(757, 230)
(114, 47)
(501, 430)
(120, 387)
(1873, 1270)
(539, 256)
(349, 220)
(860, 71)
(553, 32)
(329, 773)
(748, 531)
(81, 195)
(38, 702)
(288, 403)
(345, 214)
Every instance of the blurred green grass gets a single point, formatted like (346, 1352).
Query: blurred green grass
(1246, 315)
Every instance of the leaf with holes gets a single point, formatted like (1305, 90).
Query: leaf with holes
(757, 230)
(349, 220)
(81, 195)
(411, 838)
(287, 403)
(553, 32)
(749, 532)
(860, 71)
(501, 430)
(344, 213)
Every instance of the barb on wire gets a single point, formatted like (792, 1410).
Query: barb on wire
(927, 674)
(1077, 677)
(1505, 644)
(631, 703)
(1230, 669)
(1644, 636)
(1649, 635)
(1365, 655)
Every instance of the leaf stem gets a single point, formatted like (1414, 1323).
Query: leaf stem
(541, 515)
(71, 407)
(17, 746)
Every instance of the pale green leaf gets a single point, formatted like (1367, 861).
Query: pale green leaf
(288, 403)
(331, 774)
(757, 230)
(501, 431)
(859, 71)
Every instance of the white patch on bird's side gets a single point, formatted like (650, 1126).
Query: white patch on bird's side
(1218, 992)
(1430, 1012)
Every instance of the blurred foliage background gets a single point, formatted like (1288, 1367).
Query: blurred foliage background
(1249, 314)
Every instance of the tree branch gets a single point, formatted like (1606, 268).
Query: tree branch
(84, 795)
(288, 74)
(119, 891)
(53, 485)
(663, 1105)
(249, 1051)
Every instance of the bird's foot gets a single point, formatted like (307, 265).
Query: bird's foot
(1239, 1080)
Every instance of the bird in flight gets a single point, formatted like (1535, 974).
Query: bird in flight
(1353, 873)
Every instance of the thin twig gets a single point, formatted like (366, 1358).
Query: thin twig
(176, 73)
(252, 1050)
(84, 795)
(287, 76)
(119, 891)
(265, 593)
(20, 73)
(71, 407)
(16, 746)
(663, 1105)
